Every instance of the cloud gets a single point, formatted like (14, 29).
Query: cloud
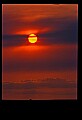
(37, 17)
(45, 83)
(67, 33)
(13, 40)
(42, 89)
(62, 31)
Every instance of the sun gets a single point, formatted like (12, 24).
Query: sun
(32, 38)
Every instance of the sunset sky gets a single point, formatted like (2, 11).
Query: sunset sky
(48, 68)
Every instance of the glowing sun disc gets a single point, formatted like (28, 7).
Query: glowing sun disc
(32, 38)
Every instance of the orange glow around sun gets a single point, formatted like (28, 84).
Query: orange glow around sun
(32, 38)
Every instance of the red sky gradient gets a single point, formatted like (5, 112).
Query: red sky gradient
(53, 57)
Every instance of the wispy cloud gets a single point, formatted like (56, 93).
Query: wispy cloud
(26, 17)
(61, 33)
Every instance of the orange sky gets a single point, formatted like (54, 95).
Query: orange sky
(53, 56)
